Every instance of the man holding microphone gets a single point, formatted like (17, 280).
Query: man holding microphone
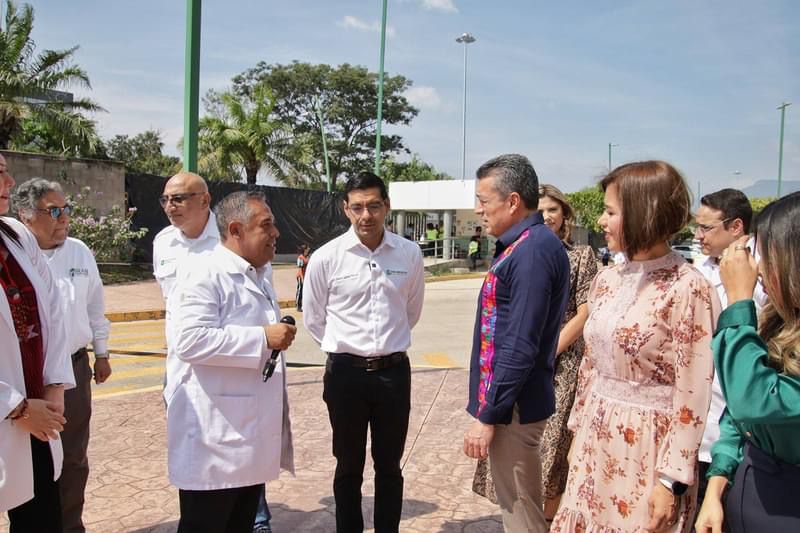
(228, 430)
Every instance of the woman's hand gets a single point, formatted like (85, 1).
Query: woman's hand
(739, 271)
(711, 515)
(43, 420)
(663, 508)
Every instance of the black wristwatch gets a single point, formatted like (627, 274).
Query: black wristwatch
(678, 488)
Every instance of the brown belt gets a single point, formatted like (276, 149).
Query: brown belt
(370, 364)
(80, 353)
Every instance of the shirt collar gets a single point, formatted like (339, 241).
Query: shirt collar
(511, 234)
(352, 241)
(236, 264)
(209, 231)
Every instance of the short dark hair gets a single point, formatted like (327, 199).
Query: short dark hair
(514, 173)
(733, 203)
(655, 203)
(235, 207)
(365, 180)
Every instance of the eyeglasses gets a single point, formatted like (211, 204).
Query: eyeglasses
(373, 208)
(55, 212)
(702, 229)
(176, 199)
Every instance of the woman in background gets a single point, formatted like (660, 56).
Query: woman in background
(645, 379)
(758, 367)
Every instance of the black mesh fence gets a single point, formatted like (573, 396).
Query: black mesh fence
(302, 216)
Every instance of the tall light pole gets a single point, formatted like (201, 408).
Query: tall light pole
(191, 89)
(380, 94)
(782, 107)
(465, 38)
(609, 155)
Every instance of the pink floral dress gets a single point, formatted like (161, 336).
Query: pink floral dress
(643, 393)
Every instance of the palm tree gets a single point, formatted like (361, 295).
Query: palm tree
(28, 82)
(239, 137)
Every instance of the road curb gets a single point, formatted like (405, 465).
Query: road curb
(159, 314)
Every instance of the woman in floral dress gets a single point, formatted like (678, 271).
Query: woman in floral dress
(645, 380)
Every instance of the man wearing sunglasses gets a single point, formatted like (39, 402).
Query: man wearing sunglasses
(723, 217)
(192, 229)
(41, 206)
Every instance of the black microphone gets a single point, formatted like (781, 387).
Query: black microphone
(269, 366)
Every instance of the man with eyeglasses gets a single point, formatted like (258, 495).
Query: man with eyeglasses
(192, 229)
(362, 295)
(41, 206)
(723, 217)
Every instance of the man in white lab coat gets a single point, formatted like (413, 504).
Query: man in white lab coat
(228, 431)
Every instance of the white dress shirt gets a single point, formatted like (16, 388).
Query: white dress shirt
(709, 267)
(360, 301)
(75, 271)
(226, 427)
(171, 246)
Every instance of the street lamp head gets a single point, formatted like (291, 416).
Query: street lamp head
(784, 105)
(466, 38)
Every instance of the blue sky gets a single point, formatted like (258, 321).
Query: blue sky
(694, 82)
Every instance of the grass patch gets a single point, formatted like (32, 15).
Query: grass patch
(114, 273)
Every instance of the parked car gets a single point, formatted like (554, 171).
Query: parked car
(688, 251)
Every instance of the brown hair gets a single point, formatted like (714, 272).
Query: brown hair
(655, 202)
(552, 192)
(778, 240)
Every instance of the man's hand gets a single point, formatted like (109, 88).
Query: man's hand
(43, 421)
(102, 369)
(280, 336)
(477, 440)
(54, 394)
(662, 508)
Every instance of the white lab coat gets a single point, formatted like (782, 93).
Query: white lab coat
(226, 428)
(16, 468)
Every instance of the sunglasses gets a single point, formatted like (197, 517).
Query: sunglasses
(175, 199)
(56, 212)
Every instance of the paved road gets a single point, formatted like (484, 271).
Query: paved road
(442, 339)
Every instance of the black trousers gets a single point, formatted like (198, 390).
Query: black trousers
(764, 495)
(219, 511)
(42, 514)
(381, 400)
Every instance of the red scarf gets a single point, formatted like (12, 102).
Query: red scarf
(21, 296)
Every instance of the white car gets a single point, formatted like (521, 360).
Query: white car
(688, 251)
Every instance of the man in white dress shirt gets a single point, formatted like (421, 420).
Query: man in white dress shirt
(362, 295)
(192, 228)
(227, 430)
(44, 210)
(723, 217)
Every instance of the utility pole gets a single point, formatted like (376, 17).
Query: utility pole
(191, 88)
(380, 94)
(324, 143)
(609, 155)
(782, 107)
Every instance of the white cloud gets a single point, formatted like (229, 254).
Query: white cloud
(354, 23)
(440, 5)
(424, 97)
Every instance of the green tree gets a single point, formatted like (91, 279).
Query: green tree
(760, 203)
(40, 137)
(414, 170)
(239, 137)
(588, 204)
(347, 97)
(143, 153)
(29, 85)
